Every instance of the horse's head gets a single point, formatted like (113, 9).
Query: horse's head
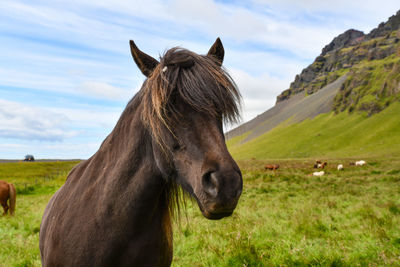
(185, 100)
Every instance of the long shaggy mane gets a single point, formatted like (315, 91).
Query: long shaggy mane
(194, 79)
(199, 82)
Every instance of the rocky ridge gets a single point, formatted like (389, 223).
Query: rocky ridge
(342, 54)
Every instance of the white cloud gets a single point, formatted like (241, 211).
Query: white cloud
(53, 132)
(207, 17)
(90, 117)
(258, 92)
(274, 29)
(78, 51)
(362, 15)
(21, 121)
(104, 90)
(340, 6)
(41, 150)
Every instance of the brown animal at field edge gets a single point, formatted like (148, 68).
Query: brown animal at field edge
(272, 167)
(7, 194)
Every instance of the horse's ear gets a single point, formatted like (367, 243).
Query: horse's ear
(217, 51)
(145, 62)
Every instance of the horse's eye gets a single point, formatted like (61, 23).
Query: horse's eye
(176, 146)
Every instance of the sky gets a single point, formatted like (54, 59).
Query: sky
(66, 72)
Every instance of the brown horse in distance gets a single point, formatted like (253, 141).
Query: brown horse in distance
(7, 194)
(271, 167)
(115, 208)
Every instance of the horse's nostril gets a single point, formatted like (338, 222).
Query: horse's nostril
(210, 184)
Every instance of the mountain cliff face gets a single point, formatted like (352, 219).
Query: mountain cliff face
(356, 73)
(372, 62)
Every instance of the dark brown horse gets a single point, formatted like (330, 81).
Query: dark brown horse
(115, 208)
(7, 194)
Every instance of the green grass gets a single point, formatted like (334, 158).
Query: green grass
(19, 234)
(328, 136)
(35, 182)
(371, 87)
(236, 140)
(287, 218)
(26, 171)
(35, 177)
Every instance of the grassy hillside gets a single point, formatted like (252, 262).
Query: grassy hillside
(327, 136)
(371, 86)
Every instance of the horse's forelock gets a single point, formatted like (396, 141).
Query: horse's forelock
(194, 79)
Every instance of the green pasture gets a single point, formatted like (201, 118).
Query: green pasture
(284, 218)
(35, 182)
(36, 177)
(289, 218)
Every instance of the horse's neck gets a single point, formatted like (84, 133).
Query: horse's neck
(123, 171)
(128, 147)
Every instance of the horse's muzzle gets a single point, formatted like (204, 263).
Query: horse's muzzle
(221, 192)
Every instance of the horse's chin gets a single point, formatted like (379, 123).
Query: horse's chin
(216, 216)
(213, 215)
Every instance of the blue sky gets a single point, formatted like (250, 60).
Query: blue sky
(66, 72)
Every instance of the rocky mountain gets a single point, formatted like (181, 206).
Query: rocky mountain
(345, 52)
(368, 66)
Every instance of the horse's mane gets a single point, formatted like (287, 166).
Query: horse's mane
(199, 81)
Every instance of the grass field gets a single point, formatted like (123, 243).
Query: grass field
(287, 218)
(35, 182)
